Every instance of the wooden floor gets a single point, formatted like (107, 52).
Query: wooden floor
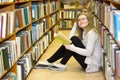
(73, 72)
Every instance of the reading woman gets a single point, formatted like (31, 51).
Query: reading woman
(85, 48)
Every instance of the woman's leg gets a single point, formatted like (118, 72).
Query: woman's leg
(62, 52)
(57, 55)
(68, 54)
(81, 59)
(77, 42)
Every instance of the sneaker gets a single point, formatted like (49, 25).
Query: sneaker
(41, 65)
(58, 67)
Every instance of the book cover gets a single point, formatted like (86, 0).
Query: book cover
(10, 76)
(1, 63)
(5, 57)
(116, 16)
(19, 18)
(21, 70)
(61, 37)
(117, 63)
(1, 21)
(4, 24)
(12, 21)
(25, 11)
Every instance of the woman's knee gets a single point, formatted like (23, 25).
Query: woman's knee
(75, 38)
(77, 42)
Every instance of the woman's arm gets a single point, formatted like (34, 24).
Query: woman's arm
(72, 32)
(91, 40)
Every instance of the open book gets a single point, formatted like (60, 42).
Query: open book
(61, 37)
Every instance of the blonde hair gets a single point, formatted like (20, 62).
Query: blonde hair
(90, 25)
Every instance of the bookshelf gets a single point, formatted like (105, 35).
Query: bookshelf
(68, 13)
(106, 18)
(27, 28)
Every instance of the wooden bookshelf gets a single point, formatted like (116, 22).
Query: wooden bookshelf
(104, 11)
(68, 14)
(29, 27)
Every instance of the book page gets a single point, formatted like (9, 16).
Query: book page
(61, 37)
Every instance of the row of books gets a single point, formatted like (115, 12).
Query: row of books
(10, 76)
(111, 74)
(9, 51)
(24, 65)
(30, 37)
(8, 55)
(71, 5)
(53, 6)
(69, 14)
(66, 23)
(7, 20)
(17, 1)
(37, 30)
(1, 1)
(20, 15)
(39, 10)
(115, 0)
(40, 27)
(38, 49)
(41, 45)
(108, 72)
(54, 19)
(23, 41)
(110, 17)
(112, 51)
(23, 16)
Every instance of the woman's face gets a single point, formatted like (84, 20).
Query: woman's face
(83, 21)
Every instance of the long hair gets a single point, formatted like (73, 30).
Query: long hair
(89, 26)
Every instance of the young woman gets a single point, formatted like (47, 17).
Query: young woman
(85, 48)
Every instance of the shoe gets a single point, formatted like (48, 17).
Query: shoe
(58, 67)
(43, 65)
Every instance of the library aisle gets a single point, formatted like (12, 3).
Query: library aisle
(73, 72)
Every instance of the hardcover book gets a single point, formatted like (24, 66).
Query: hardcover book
(61, 37)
